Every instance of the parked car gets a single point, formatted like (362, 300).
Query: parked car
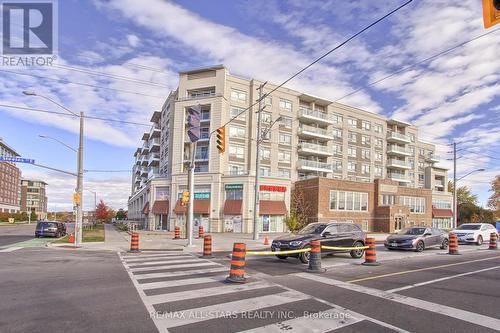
(50, 228)
(474, 232)
(417, 239)
(329, 234)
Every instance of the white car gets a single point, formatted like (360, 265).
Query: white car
(474, 232)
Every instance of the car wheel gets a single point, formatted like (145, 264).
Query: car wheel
(444, 244)
(281, 257)
(356, 254)
(304, 257)
(479, 240)
(420, 246)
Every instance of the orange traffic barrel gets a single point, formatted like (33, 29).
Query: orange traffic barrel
(453, 244)
(237, 270)
(207, 247)
(134, 242)
(315, 258)
(201, 232)
(177, 232)
(72, 238)
(370, 253)
(493, 241)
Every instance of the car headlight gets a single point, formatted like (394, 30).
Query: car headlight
(295, 243)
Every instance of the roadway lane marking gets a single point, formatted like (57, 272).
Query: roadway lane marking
(419, 270)
(10, 249)
(158, 268)
(471, 317)
(143, 255)
(194, 271)
(164, 262)
(185, 282)
(395, 290)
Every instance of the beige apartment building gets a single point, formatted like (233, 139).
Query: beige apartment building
(34, 198)
(315, 138)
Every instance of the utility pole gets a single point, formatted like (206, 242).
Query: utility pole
(455, 213)
(257, 169)
(79, 187)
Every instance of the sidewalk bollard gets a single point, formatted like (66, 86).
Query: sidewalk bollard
(134, 242)
(72, 238)
(453, 244)
(237, 271)
(370, 253)
(201, 232)
(493, 241)
(315, 258)
(207, 247)
(177, 232)
(266, 241)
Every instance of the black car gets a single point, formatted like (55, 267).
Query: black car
(329, 234)
(50, 228)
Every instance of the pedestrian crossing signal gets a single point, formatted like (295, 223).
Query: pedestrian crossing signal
(185, 198)
(491, 13)
(76, 199)
(221, 139)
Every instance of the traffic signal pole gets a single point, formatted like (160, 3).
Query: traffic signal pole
(79, 188)
(190, 213)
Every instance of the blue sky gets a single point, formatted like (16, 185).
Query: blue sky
(132, 50)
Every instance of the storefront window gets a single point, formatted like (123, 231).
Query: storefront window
(234, 194)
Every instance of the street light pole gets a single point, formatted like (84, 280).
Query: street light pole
(256, 207)
(454, 185)
(79, 187)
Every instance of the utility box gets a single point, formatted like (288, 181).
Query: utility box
(11, 220)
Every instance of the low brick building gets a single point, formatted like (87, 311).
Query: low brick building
(381, 206)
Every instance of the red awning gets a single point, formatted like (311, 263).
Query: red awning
(200, 207)
(270, 207)
(145, 209)
(160, 207)
(233, 207)
(439, 212)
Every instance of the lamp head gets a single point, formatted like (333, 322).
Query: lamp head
(29, 93)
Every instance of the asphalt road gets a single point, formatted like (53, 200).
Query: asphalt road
(53, 290)
(17, 233)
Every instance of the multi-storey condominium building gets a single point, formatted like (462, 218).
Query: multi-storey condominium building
(33, 197)
(314, 138)
(9, 181)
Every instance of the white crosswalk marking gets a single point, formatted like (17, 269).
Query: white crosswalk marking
(10, 249)
(197, 295)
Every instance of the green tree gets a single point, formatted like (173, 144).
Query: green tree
(121, 214)
(464, 194)
(494, 200)
(33, 216)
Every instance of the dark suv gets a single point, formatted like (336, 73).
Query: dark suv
(329, 234)
(50, 228)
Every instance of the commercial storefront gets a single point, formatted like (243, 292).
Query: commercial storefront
(201, 211)
(233, 208)
(272, 208)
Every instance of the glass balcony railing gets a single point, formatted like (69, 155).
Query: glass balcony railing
(315, 131)
(398, 136)
(305, 112)
(398, 149)
(316, 148)
(314, 164)
(398, 163)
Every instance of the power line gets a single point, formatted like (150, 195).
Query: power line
(107, 170)
(130, 64)
(81, 84)
(112, 76)
(70, 115)
(404, 69)
(320, 58)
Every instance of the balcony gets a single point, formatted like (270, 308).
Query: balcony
(398, 164)
(398, 177)
(154, 160)
(152, 172)
(144, 160)
(144, 171)
(398, 137)
(155, 132)
(154, 145)
(307, 131)
(306, 148)
(306, 165)
(433, 158)
(315, 116)
(145, 148)
(398, 151)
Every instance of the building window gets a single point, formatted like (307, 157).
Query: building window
(238, 113)
(365, 140)
(378, 171)
(379, 142)
(265, 154)
(268, 100)
(284, 156)
(412, 137)
(364, 225)
(378, 156)
(266, 118)
(285, 104)
(365, 169)
(365, 153)
(204, 133)
(265, 172)
(337, 166)
(234, 194)
(441, 223)
(365, 125)
(352, 122)
(285, 139)
(337, 133)
(378, 128)
(416, 204)
(238, 96)
(349, 201)
(351, 151)
(236, 169)
(284, 173)
(337, 149)
(265, 134)
(237, 132)
(351, 166)
(387, 199)
(237, 151)
(286, 122)
(352, 137)
(441, 204)
(337, 118)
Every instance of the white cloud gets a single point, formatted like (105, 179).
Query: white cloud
(133, 40)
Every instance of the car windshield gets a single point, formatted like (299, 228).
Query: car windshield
(412, 231)
(312, 229)
(469, 227)
(47, 224)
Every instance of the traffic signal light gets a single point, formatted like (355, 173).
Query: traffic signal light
(185, 198)
(221, 139)
(193, 120)
(491, 13)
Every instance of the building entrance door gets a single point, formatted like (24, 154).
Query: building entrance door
(399, 222)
